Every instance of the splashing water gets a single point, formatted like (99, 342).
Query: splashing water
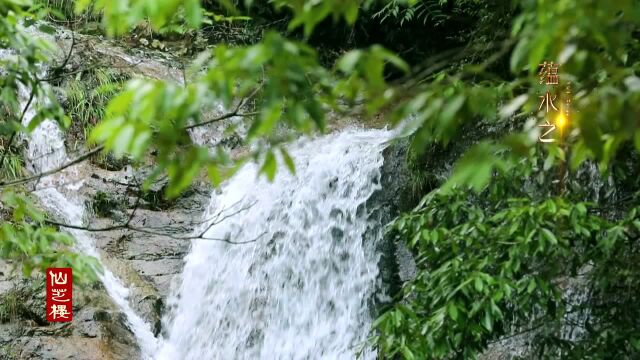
(301, 290)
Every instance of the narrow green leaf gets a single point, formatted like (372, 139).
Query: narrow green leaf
(288, 161)
(549, 236)
(269, 166)
(487, 321)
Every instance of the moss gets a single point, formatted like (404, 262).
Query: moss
(65, 10)
(156, 199)
(7, 352)
(104, 204)
(110, 162)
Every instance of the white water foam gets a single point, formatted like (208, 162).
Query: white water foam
(302, 289)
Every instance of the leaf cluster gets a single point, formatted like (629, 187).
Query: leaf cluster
(500, 261)
(28, 242)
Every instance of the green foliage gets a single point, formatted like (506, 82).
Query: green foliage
(7, 352)
(12, 165)
(18, 302)
(494, 262)
(428, 10)
(87, 95)
(600, 64)
(488, 260)
(31, 244)
(22, 70)
(105, 204)
(120, 16)
(110, 162)
(9, 306)
(156, 112)
(25, 239)
(59, 9)
(308, 15)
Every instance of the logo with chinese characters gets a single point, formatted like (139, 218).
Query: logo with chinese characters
(549, 76)
(59, 294)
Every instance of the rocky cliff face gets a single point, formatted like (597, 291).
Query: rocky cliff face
(147, 263)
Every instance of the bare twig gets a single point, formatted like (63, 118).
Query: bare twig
(220, 118)
(204, 221)
(137, 203)
(89, 68)
(235, 112)
(218, 221)
(151, 232)
(66, 60)
(146, 230)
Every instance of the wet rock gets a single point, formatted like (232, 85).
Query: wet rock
(395, 197)
(110, 162)
(145, 262)
(98, 331)
(85, 323)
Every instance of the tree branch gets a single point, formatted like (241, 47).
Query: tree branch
(88, 154)
(235, 112)
(216, 219)
(52, 171)
(88, 68)
(151, 232)
(66, 60)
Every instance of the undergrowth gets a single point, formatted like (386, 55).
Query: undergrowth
(11, 160)
(87, 95)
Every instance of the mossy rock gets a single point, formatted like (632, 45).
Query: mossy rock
(91, 28)
(7, 352)
(110, 162)
(105, 204)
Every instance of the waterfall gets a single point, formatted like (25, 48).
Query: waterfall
(301, 287)
(46, 151)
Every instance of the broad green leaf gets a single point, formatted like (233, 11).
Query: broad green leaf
(549, 236)
(452, 309)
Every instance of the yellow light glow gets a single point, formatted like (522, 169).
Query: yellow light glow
(561, 121)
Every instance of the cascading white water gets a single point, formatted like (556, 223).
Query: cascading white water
(302, 289)
(46, 151)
